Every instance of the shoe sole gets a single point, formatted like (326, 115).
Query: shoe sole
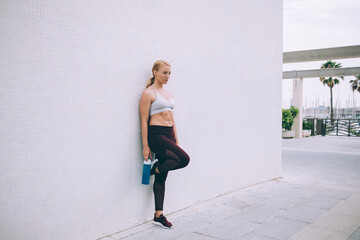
(159, 224)
(155, 161)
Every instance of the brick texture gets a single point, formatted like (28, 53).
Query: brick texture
(72, 73)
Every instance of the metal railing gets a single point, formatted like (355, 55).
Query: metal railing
(340, 127)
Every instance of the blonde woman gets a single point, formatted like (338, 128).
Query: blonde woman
(159, 134)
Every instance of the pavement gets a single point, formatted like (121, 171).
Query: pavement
(317, 197)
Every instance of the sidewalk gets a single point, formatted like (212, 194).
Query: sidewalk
(317, 198)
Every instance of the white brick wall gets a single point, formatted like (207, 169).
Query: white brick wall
(72, 73)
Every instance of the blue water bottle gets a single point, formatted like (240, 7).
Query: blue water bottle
(146, 172)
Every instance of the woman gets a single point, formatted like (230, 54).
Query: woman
(159, 134)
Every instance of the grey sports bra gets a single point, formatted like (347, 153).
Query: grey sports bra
(160, 104)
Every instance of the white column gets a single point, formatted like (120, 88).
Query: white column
(298, 103)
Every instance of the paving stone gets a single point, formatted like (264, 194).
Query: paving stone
(147, 236)
(282, 202)
(233, 203)
(249, 199)
(279, 228)
(355, 235)
(189, 224)
(302, 213)
(338, 222)
(322, 202)
(196, 236)
(355, 197)
(258, 213)
(228, 229)
(131, 231)
(253, 236)
(311, 232)
(212, 214)
(351, 207)
(279, 183)
(301, 192)
(352, 182)
(337, 194)
(181, 227)
(160, 233)
(265, 191)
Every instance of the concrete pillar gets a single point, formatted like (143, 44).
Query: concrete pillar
(298, 103)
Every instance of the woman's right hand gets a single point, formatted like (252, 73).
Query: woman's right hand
(146, 153)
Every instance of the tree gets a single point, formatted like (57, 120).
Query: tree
(288, 116)
(355, 84)
(331, 82)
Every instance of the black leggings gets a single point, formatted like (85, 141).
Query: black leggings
(170, 156)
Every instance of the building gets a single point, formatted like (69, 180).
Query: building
(72, 77)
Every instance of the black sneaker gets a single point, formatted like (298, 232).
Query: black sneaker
(152, 171)
(162, 221)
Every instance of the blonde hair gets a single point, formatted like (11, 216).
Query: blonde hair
(156, 66)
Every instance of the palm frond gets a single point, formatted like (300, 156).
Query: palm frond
(355, 84)
(330, 82)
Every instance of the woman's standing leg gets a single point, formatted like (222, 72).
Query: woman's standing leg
(159, 190)
(168, 161)
(159, 193)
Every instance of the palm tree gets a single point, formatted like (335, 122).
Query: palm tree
(355, 84)
(331, 82)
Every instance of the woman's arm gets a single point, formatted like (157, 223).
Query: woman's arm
(175, 132)
(145, 104)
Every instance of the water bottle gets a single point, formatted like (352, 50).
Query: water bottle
(146, 172)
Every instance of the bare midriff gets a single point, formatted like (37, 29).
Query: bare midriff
(162, 119)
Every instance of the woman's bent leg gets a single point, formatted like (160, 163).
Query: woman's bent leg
(174, 160)
(173, 157)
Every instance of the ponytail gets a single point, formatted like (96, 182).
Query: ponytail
(150, 82)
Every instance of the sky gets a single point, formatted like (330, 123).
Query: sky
(315, 24)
